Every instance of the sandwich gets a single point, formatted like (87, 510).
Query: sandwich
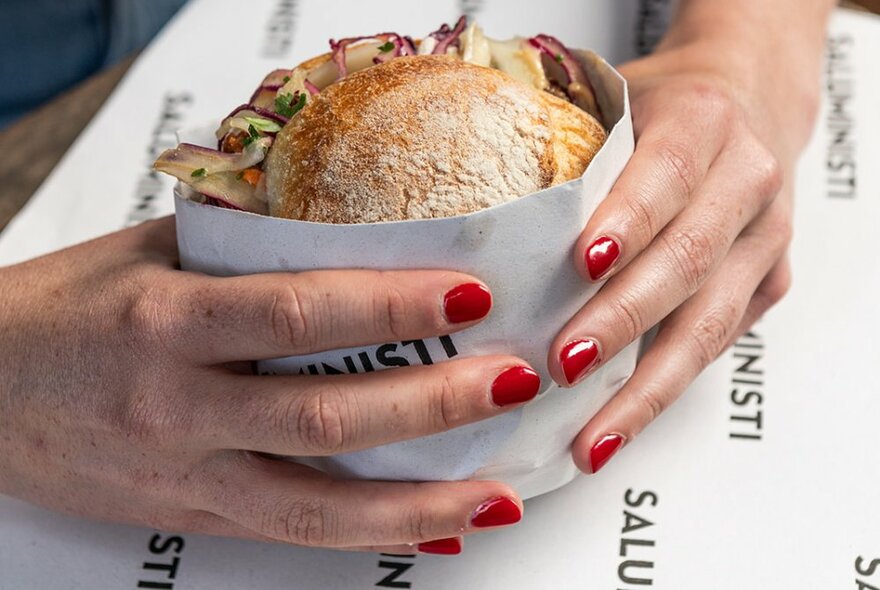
(388, 128)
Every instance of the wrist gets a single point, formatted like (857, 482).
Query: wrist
(778, 88)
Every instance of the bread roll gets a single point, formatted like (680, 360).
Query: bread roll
(424, 137)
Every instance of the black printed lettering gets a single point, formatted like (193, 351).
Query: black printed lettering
(870, 569)
(386, 360)
(448, 346)
(634, 522)
(149, 185)
(640, 499)
(160, 546)
(400, 565)
(623, 569)
(746, 394)
(637, 543)
(421, 350)
(840, 160)
(160, 574)
(279, 29)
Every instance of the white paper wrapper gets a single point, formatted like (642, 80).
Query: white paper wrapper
(521, 249)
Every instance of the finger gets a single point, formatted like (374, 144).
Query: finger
(771, 290)
(671, 269)
(296, 504)
(325, 415)
(262, 316)
(686, 343)
(657, 183)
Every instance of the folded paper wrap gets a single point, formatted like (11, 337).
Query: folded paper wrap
(521, 249)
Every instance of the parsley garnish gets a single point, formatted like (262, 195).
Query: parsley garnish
(386, 47)
(240, 175)
(253, 134)
(560, 58)
(199, 173)
(285, 79)
(285, 106)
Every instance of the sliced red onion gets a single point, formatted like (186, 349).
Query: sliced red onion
(409, 46)
(231, 191)
(248, 110)
(313, 90)
(215, 202)
(275, 78)
(402, 46)
(260, 112)
(447, 37)
(338, 56)
(186, 158)
(264, 97)
(577, 84)
(385, 56)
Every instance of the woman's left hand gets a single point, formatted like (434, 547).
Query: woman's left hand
(694, 233)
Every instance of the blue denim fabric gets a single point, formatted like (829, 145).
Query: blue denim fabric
(47, 46)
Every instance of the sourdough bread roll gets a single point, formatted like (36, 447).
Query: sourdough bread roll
(424, 137)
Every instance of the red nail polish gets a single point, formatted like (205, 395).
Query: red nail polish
(466, 303)
(450, 546)
(604, 449)
(515, 386)
(496, 512)
(578, 358)
(601, 255)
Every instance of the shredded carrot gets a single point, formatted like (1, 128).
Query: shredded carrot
(251, 176)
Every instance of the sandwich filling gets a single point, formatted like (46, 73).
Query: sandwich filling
(232, 175)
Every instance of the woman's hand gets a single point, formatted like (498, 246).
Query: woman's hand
(694, 233)
(119, 397)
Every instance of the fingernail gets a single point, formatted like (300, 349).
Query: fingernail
(601, 255)
(604, 449)
(496, 512)
(515, 386)
(450, 546)
(466, 303)
(578, 358)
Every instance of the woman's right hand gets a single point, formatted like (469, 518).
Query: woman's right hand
(120, 399)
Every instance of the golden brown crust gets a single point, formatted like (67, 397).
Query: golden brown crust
(421, 137)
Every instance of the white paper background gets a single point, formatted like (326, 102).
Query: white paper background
(792, 510)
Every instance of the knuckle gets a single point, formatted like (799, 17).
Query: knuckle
(643, 215)
(628, 315)
(678, 164)
(319, 423)
(781, 228)
(391, 312)
(771, 290)
(716, 101)
(304, 521)
(148, 317)
(712, 331)
(447, 409)
(420, 524)
(147, 422)
(768, 173)
(287, 319)
(692, 253)
(652, 403)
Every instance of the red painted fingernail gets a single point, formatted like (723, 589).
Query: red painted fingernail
(515, 386)
(601, 255)
(496, 512)
(604, 449)
(450, 546)
(578, 358)
(466, 303)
